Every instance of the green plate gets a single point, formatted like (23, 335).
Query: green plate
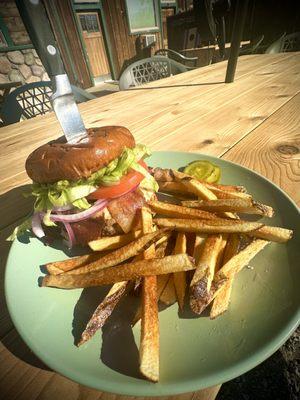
(194, 352)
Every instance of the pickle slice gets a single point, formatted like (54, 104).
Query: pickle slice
(204, 170)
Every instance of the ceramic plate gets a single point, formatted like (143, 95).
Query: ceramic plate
(194, 352)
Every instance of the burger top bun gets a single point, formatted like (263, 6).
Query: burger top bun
(58, 160)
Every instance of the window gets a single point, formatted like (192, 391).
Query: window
(143, 16)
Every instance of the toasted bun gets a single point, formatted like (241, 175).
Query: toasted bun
(58, 160)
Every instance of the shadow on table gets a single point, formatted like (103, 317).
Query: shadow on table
(179, 86)
(9, 336)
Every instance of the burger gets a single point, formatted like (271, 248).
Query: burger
(90, 189)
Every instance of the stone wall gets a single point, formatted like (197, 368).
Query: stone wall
(20, 65)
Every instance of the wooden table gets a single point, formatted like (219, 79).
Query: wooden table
(253, 121)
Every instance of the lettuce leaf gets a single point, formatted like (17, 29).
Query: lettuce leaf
(19, 230)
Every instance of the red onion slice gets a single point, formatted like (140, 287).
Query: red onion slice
(98, 206)
(36, 224)
(71, 236)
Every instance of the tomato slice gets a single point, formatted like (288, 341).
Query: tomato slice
(127, 183)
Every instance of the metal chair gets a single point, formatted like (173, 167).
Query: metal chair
(277, 46)
(285, 43)
(149, 70)
(33, 99)
(178, 57)
(253, 47)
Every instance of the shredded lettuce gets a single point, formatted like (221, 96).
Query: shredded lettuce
(66, 192)
(148, 183)
(20, 230)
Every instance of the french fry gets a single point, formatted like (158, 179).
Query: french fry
(180, 277)
(222, 299)
(58, 267)
(194, 186)
(161, 249)
(173, 210)
(149, 343)
(168, 295)
(103, 311)
(221, 250)
(204, 272)
(198, 246)
(175, 188)
(208, 226)
(122, 254)
(199, 190)
(246, 206)
(232, 267)
(179, 189)
(236, 263)
(124, 272)
(114, 242)
(167, 175)
(273, 233)
(162, 281)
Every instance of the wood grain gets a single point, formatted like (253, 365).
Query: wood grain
(273, 149)
(254, 122)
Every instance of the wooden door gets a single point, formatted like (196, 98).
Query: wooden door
(94, 43)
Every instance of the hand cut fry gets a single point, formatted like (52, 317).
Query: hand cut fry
(180, 277)
(236, 263)
(199, 190)
(246, 206)
(124, 272)
(168, 296)
(222, 299)
(208, 226)
(179, 189)
(122, 254)
(194, 186)
(232, 267)
(58, 267)
(198, 246)
(167, 175)
(273, 233)
(162, 281)
(114, 242)
(173, 210)
(149, 344)
(204, 272)
(103, 311)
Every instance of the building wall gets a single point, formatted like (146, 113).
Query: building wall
(127, 48)
(20, 65)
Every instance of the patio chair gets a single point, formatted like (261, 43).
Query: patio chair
(33, 99)
(253, 46)
(149, 70)
(175, 55)
(277, 46)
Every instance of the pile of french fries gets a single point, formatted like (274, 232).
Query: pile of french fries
(188, 249)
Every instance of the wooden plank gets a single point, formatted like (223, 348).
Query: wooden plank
(221, 129)
(273, 149)
(122, 101)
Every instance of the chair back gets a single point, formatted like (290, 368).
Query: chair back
(175, 55)
(277, 46)
(33, 99)
(149, 70)
(291, 42)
